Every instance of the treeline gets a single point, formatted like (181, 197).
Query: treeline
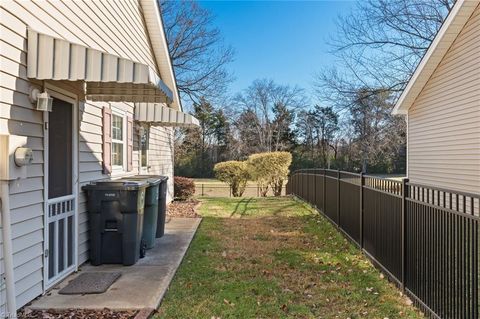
(376, 47)
(269, 117)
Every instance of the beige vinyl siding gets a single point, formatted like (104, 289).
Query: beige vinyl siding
(3, 292)
(26, 196)
(161, 154)
(444, 121)
(116, 27)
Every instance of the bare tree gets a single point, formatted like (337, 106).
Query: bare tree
(260, 103)
(378, 136)
(198, 52)
(378, 47)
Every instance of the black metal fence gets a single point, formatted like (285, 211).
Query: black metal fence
(425, 239)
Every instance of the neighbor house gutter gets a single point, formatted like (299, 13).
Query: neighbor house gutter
(7, 247)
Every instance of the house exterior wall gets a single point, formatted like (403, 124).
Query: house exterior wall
(444, 121)
(116, 27)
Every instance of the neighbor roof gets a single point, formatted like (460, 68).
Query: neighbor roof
(158, 39)
(453, 24)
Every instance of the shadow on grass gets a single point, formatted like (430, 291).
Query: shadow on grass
(280, 261)
(245, 202)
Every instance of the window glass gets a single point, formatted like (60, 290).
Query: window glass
(117, 154)
(117, 127)
(118, 140)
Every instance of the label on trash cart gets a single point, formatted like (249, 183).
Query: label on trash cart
(110, 194)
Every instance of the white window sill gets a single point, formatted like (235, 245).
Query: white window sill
(118, 172)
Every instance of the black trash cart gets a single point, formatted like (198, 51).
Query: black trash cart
(116, 221)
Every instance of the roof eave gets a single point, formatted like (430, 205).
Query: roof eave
(158, 39)
(453, 24)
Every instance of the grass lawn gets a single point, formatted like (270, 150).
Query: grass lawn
(211, 187)
(276, 258)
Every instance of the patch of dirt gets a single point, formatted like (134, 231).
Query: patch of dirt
(76, 314)
(186, 208)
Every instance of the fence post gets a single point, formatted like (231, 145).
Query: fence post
(338, 197)
(404, 207)
(230, 191)
(324, 199)
(202, 190)
(362, 183)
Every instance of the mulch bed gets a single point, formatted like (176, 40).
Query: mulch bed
(186, 208)
(76, 314)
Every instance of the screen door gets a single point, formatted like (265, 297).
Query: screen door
(61, 202)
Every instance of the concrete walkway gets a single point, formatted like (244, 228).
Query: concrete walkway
(142, 285)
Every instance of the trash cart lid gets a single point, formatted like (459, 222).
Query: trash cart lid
(152, 180)
(124, 184)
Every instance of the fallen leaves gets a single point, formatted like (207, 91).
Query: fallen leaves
(183, 209)
(76, 314)
(279, 266)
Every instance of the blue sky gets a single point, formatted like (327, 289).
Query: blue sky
(282, 40)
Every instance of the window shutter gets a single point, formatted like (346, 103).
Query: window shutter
(107, 140)
(129, 143)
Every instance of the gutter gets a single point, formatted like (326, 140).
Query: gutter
(8, 248)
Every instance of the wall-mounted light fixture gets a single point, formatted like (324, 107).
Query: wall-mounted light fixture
(43, 100)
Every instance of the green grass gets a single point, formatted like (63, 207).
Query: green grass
(276, 258)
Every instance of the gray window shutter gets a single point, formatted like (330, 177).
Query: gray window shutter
(107, 140)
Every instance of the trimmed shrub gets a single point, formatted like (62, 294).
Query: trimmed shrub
(270, 170)
(183, 187)
(235, 174)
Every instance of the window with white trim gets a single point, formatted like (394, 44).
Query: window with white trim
(119, 140)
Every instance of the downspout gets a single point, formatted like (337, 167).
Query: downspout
(7, 247)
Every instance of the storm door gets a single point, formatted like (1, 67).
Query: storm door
(60, 188)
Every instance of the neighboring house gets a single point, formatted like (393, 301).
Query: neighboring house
(106, 66)
(442, 106)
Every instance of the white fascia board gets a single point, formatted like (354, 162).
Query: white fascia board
(158, 39)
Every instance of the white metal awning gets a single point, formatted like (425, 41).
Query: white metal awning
(107, 76)
(161, 115)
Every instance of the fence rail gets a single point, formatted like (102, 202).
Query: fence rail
(219, 190)
(425, 239)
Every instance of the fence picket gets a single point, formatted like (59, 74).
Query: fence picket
(425, 238)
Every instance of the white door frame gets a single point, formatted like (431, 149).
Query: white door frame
(71, 98)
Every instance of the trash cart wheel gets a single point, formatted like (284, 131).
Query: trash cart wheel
(143, 248)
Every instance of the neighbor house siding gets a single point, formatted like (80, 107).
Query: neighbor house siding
(116, 27)
(444, 121)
